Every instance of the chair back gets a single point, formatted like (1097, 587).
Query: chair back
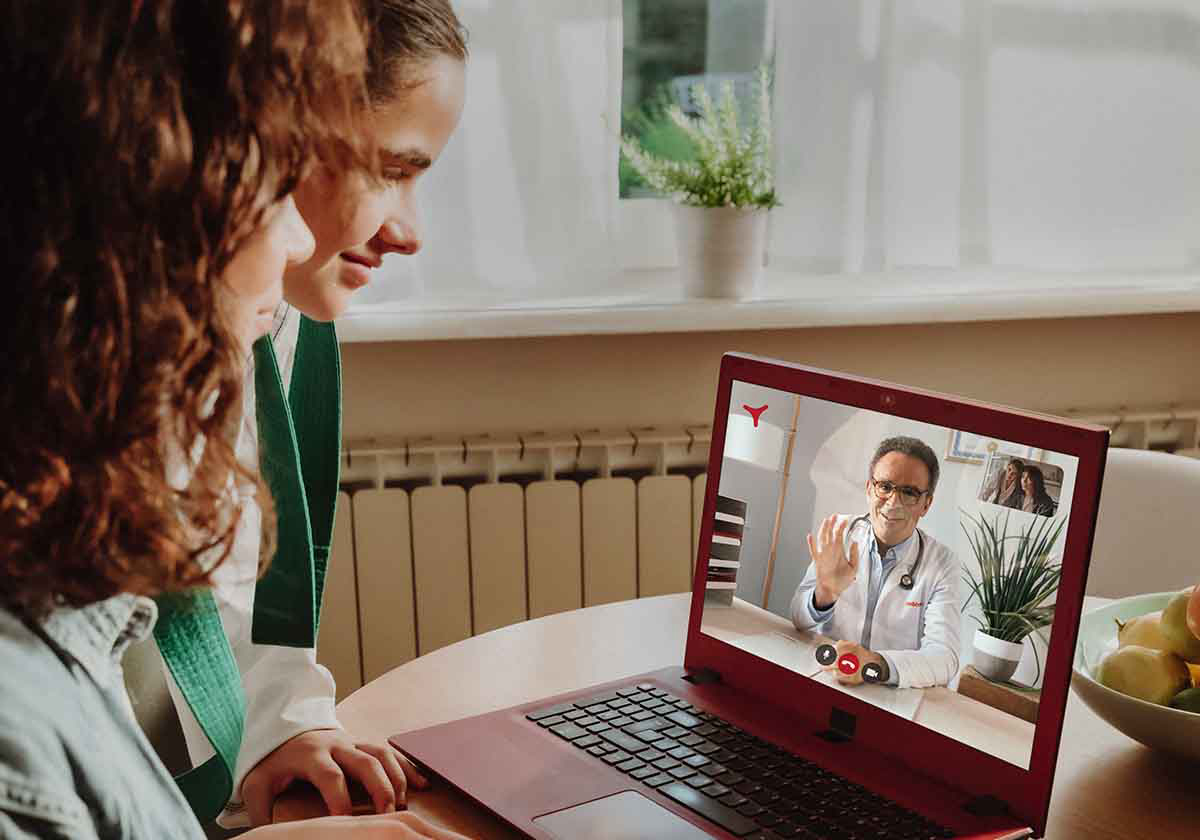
(1148, 506)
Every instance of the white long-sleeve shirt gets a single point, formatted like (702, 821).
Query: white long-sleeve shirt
(287, 692)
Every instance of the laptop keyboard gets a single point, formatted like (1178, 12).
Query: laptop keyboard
(744, 784)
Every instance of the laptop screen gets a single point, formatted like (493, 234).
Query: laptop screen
(911, 565)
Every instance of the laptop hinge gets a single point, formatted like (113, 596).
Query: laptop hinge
(703, 676)
(841, 726)
(986, 805)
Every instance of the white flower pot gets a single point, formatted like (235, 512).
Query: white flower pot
(996, 659)
(720, 250)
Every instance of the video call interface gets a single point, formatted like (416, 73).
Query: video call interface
(884, 578)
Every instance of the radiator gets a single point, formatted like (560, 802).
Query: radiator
(437, 540)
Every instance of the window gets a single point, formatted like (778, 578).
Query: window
(671, 46)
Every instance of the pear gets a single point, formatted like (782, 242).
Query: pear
(1188, 700)
(1145, 630)
(1151, 675)
(1175, 629)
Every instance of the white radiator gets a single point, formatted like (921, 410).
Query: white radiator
(437, 540)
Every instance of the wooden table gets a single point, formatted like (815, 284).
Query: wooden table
(1106, 785)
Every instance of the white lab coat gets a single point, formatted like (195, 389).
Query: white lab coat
(287, 692)
(916, 629)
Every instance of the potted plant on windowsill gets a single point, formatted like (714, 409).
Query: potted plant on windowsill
(722, 195)
(1016, 580)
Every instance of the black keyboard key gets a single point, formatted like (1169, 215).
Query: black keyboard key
(697, 781)
(608, 715)
(586, 741)
(734, 799)
(616, 757)
(684, 719)
(675, 732)
(643, 714)
(643, 772)
(650, 755)
(681, 753)
(682, 771)
(706, 730)
(712, 769)
(705, 748)
(649, 736)
(549, 711)
(660, 692)
(598, 750)
(585, 720)
(695, 761)
(603, 698)
(620, 722)
(751, 809)
(715, 790)
(665, 763)
(631, 765)
(553, 720)
(659, 780)
(626, 742)
(569, 731)
(730, 778)
(748, 788)
(625, 692)
(575, 714)
(768, 820)
(709, 808)
(597, 727)
(689, 740)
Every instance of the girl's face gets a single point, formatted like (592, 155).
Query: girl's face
(1026, 483)
(357, 223)
(254, 276)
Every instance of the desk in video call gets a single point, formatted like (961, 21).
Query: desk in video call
(765, 634)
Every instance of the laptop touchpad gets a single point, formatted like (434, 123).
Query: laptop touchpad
(622, 816)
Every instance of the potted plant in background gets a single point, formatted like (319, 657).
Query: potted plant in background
(1016, 581)
(723, 193)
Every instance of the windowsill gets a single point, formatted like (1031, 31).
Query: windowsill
(650, 302)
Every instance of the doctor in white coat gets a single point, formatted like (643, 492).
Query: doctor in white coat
(885, 590)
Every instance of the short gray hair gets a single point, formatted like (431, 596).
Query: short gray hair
(913, 447)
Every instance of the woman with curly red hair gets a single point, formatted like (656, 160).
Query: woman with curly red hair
(146, 223)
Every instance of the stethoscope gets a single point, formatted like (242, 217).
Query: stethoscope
(906, 579)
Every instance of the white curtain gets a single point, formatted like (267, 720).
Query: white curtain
(521, 203)
(1026, 137)
(1044, 136)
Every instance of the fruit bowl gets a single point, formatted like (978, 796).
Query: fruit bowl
(1161, 727)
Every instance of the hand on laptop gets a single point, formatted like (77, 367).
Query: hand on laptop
(864, 657)
(327, 758)
(834, 570)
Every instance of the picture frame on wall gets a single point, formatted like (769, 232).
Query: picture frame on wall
(966, 448)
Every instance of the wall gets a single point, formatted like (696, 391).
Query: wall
(451, 388)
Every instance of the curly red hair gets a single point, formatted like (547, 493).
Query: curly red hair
(148, 144)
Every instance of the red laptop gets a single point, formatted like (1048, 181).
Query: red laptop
(887, 593)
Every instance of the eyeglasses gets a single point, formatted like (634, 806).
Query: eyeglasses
(909, 496)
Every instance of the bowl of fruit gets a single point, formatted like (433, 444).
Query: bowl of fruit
(1137, 665)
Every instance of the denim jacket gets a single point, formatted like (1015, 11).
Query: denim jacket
(73, 762)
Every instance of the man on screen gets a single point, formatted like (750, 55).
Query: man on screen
(882, 588)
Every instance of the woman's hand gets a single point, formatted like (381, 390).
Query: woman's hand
(399, 826)
(325, 757)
